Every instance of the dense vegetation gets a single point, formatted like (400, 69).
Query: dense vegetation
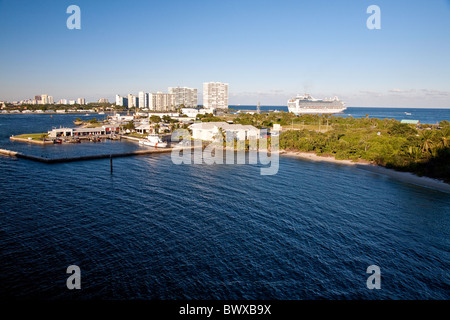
(423, 150)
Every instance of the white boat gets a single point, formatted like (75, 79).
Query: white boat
(153, 140)
(408, 114)
(308, 104)
(101, 112)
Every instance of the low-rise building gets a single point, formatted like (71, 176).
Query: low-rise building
(77, 132)
(209, 130)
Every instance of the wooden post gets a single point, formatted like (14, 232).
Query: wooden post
(111, 163)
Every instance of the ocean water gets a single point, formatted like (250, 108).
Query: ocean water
(424, 115)
(155, 230)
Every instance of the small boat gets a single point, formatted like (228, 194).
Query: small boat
(408, 114)
(87, 114)
(57, 141)
(153, 140)
(101, 112)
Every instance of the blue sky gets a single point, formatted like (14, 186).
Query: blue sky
(267, 51)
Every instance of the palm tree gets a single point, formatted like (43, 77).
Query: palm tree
(427, 143)
(414, 152)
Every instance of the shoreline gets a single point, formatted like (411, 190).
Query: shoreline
(407, 177)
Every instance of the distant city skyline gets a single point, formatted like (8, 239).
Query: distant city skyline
(268, 51)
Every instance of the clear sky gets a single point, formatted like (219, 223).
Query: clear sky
(267, 51)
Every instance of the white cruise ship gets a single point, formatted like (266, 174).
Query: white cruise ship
(307, 104)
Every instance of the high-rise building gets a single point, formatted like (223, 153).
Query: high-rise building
(131, 101)
(161, 101)
(186, 97)
(81, 101)
(121, 101)
(44, 99)
(62, 101)
(50, 100)
(143, 100)
(215, 95)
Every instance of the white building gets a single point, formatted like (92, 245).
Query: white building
(44, 99)
(62, 101)
(193, 112)
(215, 95)
(143, 100)
(81, 101)
(161, 101)
(184, 96)
(121, 101)
(103, 100)
(131, 101)
(208, 130)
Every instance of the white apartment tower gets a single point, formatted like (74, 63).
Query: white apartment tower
(161, 101)
(143, 100)
(215, 95)
(119, 100)
(131, 101)
(44, 99)
(184, 96)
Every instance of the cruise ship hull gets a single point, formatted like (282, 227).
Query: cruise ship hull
(316, 110)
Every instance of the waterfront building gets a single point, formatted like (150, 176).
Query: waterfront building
(76, 132)
(145, 128)
(143, 100)
(133, 101)
(161, 101)
(208, 130)
(215, 95)
(130, 101)
(184, 96)
(121, 101)
(44, 99)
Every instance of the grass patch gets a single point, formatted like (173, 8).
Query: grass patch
(33, 136)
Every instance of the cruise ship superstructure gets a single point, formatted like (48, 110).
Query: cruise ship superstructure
(308, 104)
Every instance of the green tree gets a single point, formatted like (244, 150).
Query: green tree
(155, 119)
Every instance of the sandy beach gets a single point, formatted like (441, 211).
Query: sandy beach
(407, 177)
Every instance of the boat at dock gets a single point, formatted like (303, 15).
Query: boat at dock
(153, 140)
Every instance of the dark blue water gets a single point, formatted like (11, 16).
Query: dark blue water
(424, 115)
(155, 230)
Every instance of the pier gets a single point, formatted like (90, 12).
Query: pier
(82, 158)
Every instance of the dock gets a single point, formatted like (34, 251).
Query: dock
(82, 158)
